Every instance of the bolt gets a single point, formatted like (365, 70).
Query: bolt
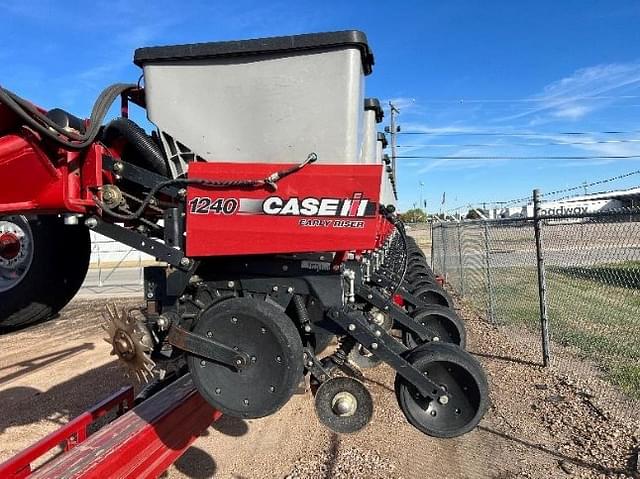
(374, 346)
(305, 356)
(218, 390)
(253, 359)
(275, 289)
(182, 192)
(352, 327)
(290, 289)
(307, 328)
(279, 359)
(378, 333)
(369, 296)
(443, 400)
(118, 167)
(203, 363)
(230, 284)
(246, 402)
(239, 362)
(209, 334)
(91, 223)
(185, 262)
(285, 267)
(272, 389)
(150, 295)
(234, 320)
(344, 404)
(309, 364)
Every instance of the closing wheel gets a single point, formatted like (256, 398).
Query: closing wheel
(463, 380)
(442, 322)
(413, 277)
(423, 281)
(416, 268)
(42, 265)
(273, 343)
(344, 405)
(433, 294)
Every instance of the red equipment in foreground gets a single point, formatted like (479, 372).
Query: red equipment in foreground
(265, 198)
(142, 443)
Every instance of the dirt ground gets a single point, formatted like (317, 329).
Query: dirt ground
(542, 423)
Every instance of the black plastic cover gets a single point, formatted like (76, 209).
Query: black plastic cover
(383, 138)
(259, 46)
(374, 104)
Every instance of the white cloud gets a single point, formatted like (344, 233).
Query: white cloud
(572, 112)
(584, 91)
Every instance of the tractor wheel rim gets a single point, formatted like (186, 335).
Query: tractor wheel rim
(16, 253)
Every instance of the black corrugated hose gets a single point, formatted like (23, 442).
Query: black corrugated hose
(146, 149)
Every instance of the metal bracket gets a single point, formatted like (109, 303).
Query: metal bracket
(371, 296)
(140, 242)
(207, 348)
(138, 175)
(319, 372)
(385, 347)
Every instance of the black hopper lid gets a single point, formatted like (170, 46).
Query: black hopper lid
(383, 138)
(374, 104)
(259, 46)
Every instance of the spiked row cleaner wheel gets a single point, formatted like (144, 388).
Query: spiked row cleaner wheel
(283, 265)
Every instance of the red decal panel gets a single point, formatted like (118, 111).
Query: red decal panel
(318, 208)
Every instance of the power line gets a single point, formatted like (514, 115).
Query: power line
(530, 100)
(517, 134)
(600, 157)
(551, 143)
(553, 193)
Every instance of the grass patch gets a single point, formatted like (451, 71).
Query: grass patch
(594, 310)
(623, 275)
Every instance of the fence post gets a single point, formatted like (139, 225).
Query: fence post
(432, 245)
(460, 264)
(542, 280)
(444, 251)
(487, 265)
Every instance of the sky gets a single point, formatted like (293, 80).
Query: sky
(483, 86)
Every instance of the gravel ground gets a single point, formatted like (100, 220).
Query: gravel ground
(542, 423)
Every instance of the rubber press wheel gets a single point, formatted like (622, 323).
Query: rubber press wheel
(273, 343)
(460, 376)
(433, 294)
(442, 322)
(42, 265)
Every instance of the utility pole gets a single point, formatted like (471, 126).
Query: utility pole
(393, 131)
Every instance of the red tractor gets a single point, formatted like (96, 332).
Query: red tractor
(265, 194)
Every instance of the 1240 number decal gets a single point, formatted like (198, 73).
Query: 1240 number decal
(202, 205)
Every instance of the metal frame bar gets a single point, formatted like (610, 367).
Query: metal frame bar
(143, 442)
(71, 435)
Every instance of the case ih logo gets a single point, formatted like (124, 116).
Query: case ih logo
(356, 206)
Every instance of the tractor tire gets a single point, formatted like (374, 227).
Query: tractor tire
(40, 275)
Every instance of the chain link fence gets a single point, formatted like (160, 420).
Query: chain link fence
(569, 298)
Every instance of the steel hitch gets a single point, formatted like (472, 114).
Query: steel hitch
(207, 348)
(377, 299)
(384, 346)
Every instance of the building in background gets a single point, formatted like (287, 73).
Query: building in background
(606, 201)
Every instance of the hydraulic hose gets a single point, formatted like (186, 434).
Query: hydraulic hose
(49, 129)
(145, 148)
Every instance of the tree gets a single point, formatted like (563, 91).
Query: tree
(415, 215)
